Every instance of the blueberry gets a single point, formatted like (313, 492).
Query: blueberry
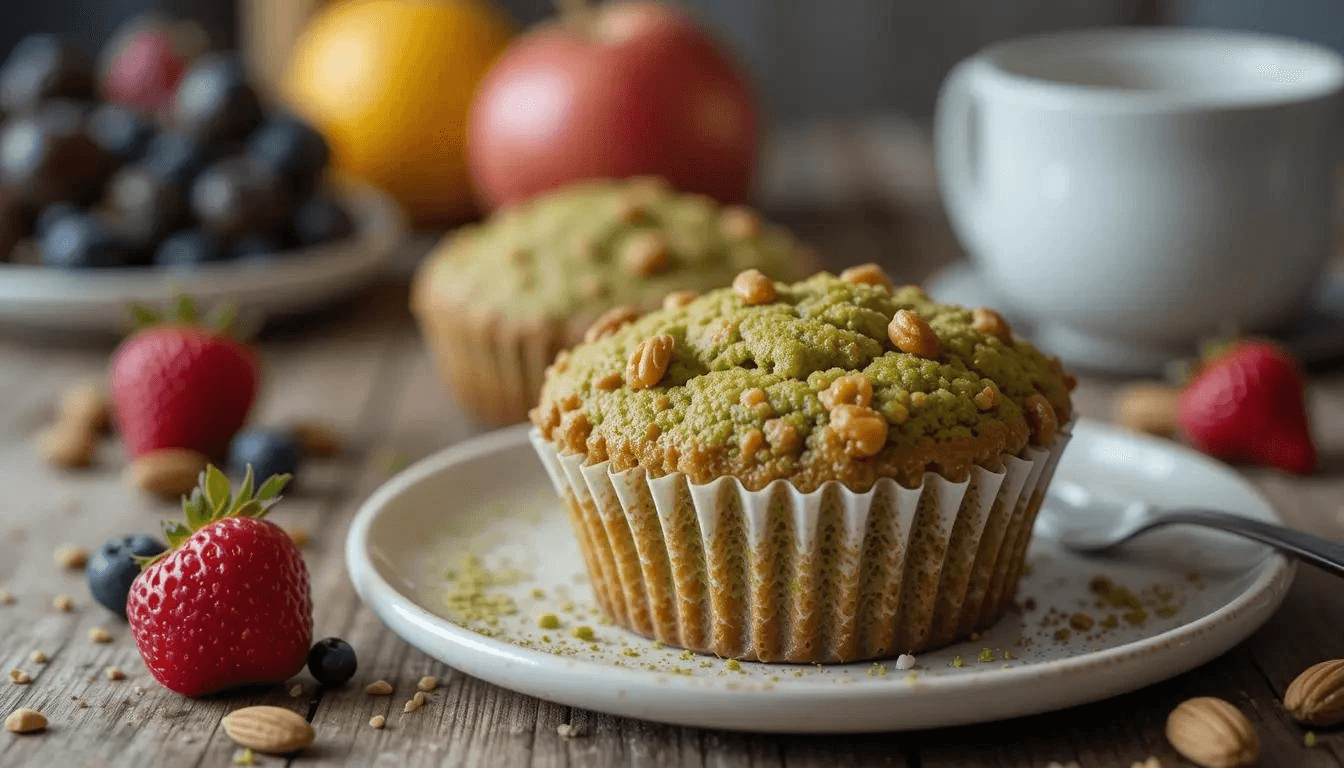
(52, 214)
(332, 661)
(41, 67)
(175, 158)
(119, 131)
(269, 453)
(238, 195)
(254, 247)
(112, 569)
(320, 219)
(48, 157)
(214, 101)
(80, 241)
(189, 248)
(292, 149)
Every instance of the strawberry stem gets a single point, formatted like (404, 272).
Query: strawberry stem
(214, 499)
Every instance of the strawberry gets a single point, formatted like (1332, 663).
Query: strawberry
(1248, 404)
(228, 603)
(179, 382)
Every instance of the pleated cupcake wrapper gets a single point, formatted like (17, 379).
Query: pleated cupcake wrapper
(826, 576)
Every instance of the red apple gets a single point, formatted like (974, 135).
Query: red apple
(627, 89)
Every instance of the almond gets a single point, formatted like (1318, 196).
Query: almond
(1316, 697)
(1147, 407)
(25, 721)
(84, 404)
(273, 730)
(67, 445)
(1212, 733)
(167, 472)
(318, 441)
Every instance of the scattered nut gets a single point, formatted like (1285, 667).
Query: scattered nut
(647, 255)
(114, 673)
(854, 389)
(6, 597)
(70, 557)
(1041, 418)
(81, 704)
(317, 441)
(610, 322)
(986, 398)
(38, 657)
(377, 721)
(991, 323)
(415, 702)
(905, 661)
(99, 635)
(912, 335)
(167, 472)
(272, 730)
(19, 677)
(567, 731)
(753, 287)
(63, 603)
(427, 683)
(1147, 407)
(25, 721)
(84, 405)
(378, 688)
(295, 691)
(1316, 697)
(69, 446)
(866, 274)
(738, 223)
(649, 362)
(679, 299)
(1212, 733)
(299, 536)
(863, 429)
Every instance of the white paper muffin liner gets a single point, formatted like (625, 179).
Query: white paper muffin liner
(826, 576)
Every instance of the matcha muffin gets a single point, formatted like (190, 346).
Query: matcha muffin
(496, 301)
(826, 471)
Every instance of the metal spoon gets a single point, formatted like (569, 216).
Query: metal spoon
(1097, 531)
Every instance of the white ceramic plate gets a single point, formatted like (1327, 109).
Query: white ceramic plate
(33, 297)
(489, 498)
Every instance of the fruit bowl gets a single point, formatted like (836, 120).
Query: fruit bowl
(95, 300)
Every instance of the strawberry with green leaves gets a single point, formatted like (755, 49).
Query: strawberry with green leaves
(228, 603)
(180, 381)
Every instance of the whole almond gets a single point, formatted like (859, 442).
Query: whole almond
(25, 721)
(84, 404)
(167, 472)
(1147, 407)
(68, 445)
(1316, 697)
(1212, 733)
(273, 730)
(318, 441)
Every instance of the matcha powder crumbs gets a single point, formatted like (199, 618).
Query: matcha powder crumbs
(468, 592)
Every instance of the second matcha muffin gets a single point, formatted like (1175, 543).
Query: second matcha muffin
(496, 301)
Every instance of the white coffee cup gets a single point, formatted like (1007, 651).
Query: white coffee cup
(1133, 191)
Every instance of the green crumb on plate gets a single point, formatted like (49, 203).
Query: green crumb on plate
(958, 662)
(912, 679)
(567, 606)
(593, 647)
(245, 757)
(630, 651)
(548, 621)
(686, 656)
(986, 655)
(657, 645)
(734, 665)
(706, 665)
(545, 638)
(1309, 739)
(538, 592)
(582, 632)
(469, 598)
(605, 621)
(798, 673)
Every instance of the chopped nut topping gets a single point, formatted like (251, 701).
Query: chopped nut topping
(679, 299)
(569, 402)
(986, 398)
(417, 701)
(752, 397)
(866, 274)
(652, 432)
(896, 413)
(991, 323)
(751, 442)
(609, 381)
(853, 389)
(574, 430)
(649, 362)
(863, 429)
(631, 209)
(912, 335)
(38, 657)
(99, 635)
(377, 721)
(520, 256)
(783, 437)
(19, 677)
(738, 223)
(609, 322)
(1041, 418)
(753, 287)
(662, 403)
(114, 673)
(561, 363)
(427, 683)
(71, 557)
(63, 603)
(378, 688)
(592, 288)
(648, 255)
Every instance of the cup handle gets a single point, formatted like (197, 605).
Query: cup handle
(953, 152)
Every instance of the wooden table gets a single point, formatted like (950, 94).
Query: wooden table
(360, 369)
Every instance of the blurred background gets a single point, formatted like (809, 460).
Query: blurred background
(812, 59)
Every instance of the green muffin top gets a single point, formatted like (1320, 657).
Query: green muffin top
(598, 244)
(832, 378)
